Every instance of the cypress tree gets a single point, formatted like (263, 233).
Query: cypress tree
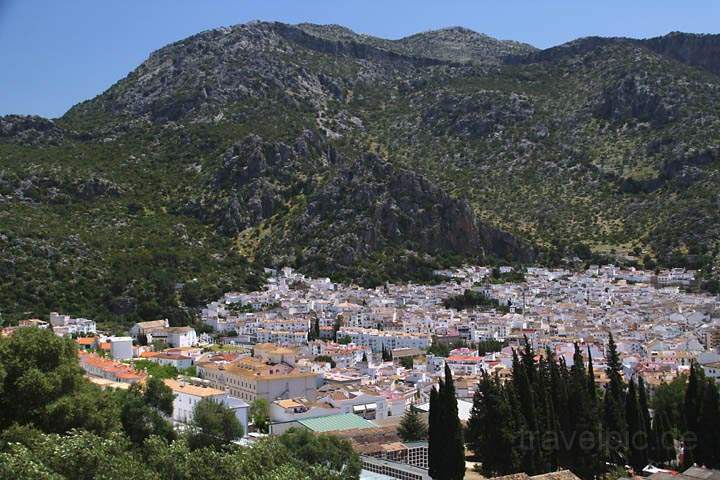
(436, 440)
(708, 447)
(645, 414)
(560, 400)
(591, 388)
(455, 446)
(528, 360)
(692, 405)
(479, 420)
(526, 400)
(524, 390)
(613, 403)
(548, 431)
(584, 432)
(637, 440)
(663, 441)
(491, 429)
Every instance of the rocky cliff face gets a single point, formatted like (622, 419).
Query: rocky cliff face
(306, 205)
(453, 44)
(370, 205)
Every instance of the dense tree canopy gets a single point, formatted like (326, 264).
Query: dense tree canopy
(87, 456)
(58, 426)
(42, 384)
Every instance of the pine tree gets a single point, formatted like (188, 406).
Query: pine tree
(637, 440)
(411, 427)
(708, 447)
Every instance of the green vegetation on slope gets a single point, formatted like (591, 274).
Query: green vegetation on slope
(343, 155)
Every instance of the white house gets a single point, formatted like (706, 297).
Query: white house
(176, 360)
(64, 325)
(177, 337)
(120, 348)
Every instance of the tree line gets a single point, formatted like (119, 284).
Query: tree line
(551, 415)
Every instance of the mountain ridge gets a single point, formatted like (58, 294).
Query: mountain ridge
(359, 158)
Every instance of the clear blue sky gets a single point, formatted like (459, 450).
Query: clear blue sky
(55, 53)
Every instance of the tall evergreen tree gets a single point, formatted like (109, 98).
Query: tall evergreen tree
(559, 391)
(692, 405)
(663, 440)
(491, 429)
(455, 449)
(548, 434)
(314, 332)
(615, 427)
(584, 432)
(645, 414)
(386, 354)
(708, 447)
(637, 437)
(591, 387)
(526, 400)
(528, 360)
(436, 437)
